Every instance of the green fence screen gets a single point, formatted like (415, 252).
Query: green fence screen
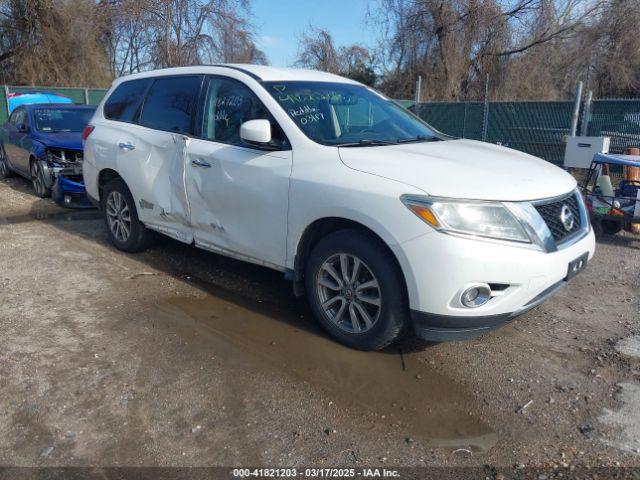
(3, 106)
(538, 128)
(618, 119)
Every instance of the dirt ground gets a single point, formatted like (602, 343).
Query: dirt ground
(179, 357)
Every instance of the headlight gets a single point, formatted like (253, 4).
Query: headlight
(483, 219)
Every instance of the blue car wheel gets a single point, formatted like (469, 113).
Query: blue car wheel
(37, 178)
(5, 172)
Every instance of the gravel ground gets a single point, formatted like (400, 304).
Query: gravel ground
(179, 357)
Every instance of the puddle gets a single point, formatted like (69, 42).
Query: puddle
(426, 405)
(626, 420)
(629, 346)
(56, 216)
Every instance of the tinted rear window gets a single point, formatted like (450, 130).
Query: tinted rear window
(124, 101)
(170, 104)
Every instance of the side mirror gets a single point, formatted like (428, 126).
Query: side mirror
(256, 132)
(22, 128)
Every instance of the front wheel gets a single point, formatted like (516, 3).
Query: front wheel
(356, 290)
(125, 230)
(37, 179)
(611, 227)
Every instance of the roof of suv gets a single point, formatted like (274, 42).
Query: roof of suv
(259, 72)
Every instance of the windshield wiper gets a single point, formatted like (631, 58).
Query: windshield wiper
(419, 138)
(367, 143)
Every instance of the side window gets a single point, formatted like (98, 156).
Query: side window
(229, 104)
(124, 102)
(170, 104)
(12, 117)
(18, 117)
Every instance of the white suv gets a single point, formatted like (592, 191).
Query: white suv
(385, 223)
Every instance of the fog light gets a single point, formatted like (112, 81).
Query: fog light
(476, 296)
(67, 199)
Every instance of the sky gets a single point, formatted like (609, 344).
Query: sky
(280, 23)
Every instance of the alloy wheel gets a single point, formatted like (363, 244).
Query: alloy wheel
(349, 293)
(3, 165)
(118, 216)
(37, 180)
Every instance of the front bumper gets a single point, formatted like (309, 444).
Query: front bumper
(439, 267)
(69, 191)
(444, 328)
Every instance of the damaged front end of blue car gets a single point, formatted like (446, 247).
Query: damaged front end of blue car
(62, 173)
(68, 188)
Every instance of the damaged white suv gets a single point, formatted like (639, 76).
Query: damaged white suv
(385, 223)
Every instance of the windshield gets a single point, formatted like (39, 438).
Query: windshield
(348, 115)
(62, 119)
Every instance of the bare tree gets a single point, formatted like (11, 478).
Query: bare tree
(613, 49)
(454, 43)
(49, 42)
(166, 33)
(317, 51)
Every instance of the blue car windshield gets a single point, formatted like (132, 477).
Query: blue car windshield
(62, 119)
(343, 114)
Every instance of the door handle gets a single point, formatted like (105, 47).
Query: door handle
(127, 146)
(198, 162)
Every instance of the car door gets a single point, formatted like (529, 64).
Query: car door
(7, 137)
(151, 154)
(17, 138)
(238, 195)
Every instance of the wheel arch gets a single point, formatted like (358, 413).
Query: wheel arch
(37, 154)
(38, 150)
(321, 228)
(105, 176)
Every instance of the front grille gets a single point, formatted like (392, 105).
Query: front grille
(551, 213)
(63, 156)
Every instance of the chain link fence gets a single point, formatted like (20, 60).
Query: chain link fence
(537, 128)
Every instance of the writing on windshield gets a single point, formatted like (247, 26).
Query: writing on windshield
(347, 114)
(62, 120)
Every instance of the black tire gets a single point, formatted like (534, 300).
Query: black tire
(139, 237)
(38, 181)
(5, 171)
(393, 313)
(611, 227)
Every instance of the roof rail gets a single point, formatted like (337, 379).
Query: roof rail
(239, 69)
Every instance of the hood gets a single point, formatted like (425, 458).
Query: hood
(65, 140)
(463, 169)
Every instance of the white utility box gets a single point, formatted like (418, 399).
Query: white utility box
(580, 150)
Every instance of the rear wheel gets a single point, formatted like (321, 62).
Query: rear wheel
(125, 230)
(4, 167)
(37, 179)
(356, 290)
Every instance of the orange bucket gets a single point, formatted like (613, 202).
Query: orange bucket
(632, 173)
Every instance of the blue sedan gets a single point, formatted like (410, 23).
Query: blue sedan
(43, 143)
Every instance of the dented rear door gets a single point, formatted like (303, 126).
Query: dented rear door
(156, 148)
